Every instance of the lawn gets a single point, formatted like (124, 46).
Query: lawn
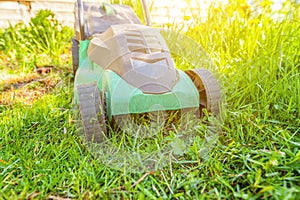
(255, 156)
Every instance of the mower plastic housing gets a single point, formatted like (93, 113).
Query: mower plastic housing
(136, 53)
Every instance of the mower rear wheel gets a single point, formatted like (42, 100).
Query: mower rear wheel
(75, 55)
(208, 88)
(92, 112)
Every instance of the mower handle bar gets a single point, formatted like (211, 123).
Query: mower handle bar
(146, 12)
(81, 18)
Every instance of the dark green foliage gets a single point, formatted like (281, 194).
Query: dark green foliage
(43, 41)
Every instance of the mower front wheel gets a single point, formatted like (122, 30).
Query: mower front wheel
(92, 112)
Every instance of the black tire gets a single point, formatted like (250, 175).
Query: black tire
(92, 112)
(208, 88)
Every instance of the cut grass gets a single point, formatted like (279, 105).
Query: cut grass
(257, 154)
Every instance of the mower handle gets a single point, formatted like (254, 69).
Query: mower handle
(81, 19)
(146, 12)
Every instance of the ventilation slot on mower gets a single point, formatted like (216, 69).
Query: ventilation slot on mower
(136, 42)
(137, 48)
(154, 44)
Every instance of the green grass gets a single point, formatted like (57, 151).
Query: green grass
(43, 42)
(257, 155)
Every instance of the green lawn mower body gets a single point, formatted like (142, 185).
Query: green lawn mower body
(122, 67)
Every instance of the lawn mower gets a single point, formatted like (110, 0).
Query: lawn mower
(125, 68)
